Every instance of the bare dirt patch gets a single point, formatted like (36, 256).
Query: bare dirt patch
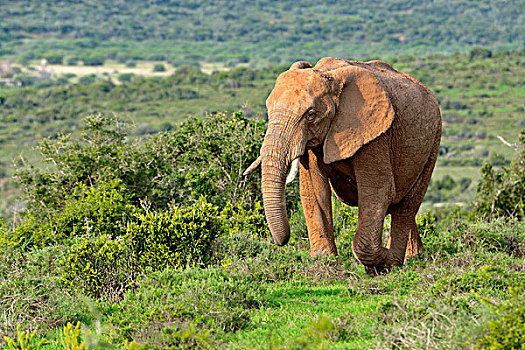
(109, 69)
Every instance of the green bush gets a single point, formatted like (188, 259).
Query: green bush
(71, 60)
(105, 263)
(479, 52)
(71, 339)
(245, 217)
(159, 67)
(54, 58)
(90, 160)
(87, 79)
(93, 60)
(184, 309)
(178, 237)
(31, 294)
(99, 267)
(212, 154)
(125, 77)
(426, 224)
(199, 157)
(501, 192)
(507, 329)
(345, 225)
(86, 211)
(460, 235)
(237, 246)
(24, 341)
(5, 234)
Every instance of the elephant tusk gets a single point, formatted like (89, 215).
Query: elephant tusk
(293, 171)
(252, 167)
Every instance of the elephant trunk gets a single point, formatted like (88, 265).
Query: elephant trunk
(274, 201)
(283, 143)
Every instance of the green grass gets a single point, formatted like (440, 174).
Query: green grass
(281, 297)
(299, 306)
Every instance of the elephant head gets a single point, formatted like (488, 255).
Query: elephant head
(340, 109)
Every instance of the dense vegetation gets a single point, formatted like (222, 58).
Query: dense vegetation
(480, 94)
(160, 265)
(265, 32)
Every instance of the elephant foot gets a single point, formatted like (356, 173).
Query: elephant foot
(323, 252)
(375, 270)
(324, 245)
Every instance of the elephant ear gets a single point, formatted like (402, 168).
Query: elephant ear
(364, 112)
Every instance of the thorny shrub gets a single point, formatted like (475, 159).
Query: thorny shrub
(501, 192)
(199, 157)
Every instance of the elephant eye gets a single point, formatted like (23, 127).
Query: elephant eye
(310, 114)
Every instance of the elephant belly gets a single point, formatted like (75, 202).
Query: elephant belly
(342, 181)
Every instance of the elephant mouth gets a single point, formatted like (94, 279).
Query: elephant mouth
(313, 143)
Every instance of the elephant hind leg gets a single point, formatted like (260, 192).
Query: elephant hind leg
(404, 232)
(367, 244)
(404, 241)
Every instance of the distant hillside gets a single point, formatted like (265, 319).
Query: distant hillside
(480, 93)
(242, 31)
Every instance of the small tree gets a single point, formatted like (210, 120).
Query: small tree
(199, 157)
(54, 58)
(159, 67)
(94, 60)
(125, 77)
(501, 192)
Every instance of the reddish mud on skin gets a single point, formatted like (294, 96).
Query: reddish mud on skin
(363, 131)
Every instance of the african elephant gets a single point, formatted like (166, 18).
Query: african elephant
(363, 131)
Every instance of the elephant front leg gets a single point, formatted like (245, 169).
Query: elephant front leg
(367, 244)
(317, 206)
(375, 189)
